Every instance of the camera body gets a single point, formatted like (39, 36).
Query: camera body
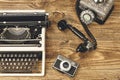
(65, 65)
(101, 10)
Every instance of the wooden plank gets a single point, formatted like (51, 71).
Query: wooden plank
(101, 64)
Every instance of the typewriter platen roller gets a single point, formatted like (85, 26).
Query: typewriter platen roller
(22, 42)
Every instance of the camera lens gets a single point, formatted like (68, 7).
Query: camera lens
(65, 65)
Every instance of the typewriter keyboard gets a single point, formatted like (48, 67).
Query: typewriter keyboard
(21, 62)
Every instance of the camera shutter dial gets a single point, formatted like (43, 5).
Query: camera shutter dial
(65, 65)
(87, 16)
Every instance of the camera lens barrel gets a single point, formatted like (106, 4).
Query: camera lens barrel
(65, 65)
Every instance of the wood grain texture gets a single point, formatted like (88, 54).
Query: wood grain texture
(101, 64)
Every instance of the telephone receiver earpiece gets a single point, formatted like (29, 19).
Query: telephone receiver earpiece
(62, 25)
(83, 47)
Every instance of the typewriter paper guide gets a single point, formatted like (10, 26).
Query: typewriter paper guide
(22, 42)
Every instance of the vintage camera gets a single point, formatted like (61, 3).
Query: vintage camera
(65, 65)
(22, 42)
(94, 10)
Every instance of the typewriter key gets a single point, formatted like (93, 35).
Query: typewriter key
(25, 67)
(9, 67)
(2, 59)
(11, 55)
(21, 59)
(7, 64)
(18, 59)
(21, 67)
(27, 55)
(14, 63)
(29, 59)
(8, 55)
(25, 59)
(31, 63)
(17, 67)
(28, 67)
(18, 64)
(37, 59)
(5, 67)
(6, 59)
(31, 55)
(13, 59)
(3, 64)
(33, 59)
(4, 55)
(26, 63)
(15, 55)
(11, 64)
(9, 59)
(13, 67)
(35, 55)
(23, 55)
(23, 63)
(19, 55)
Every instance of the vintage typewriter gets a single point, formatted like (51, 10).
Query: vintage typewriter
(22, 42)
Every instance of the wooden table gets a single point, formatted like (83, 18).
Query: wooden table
(101, 64)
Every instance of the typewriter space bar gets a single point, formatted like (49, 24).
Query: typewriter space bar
(20, 49)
